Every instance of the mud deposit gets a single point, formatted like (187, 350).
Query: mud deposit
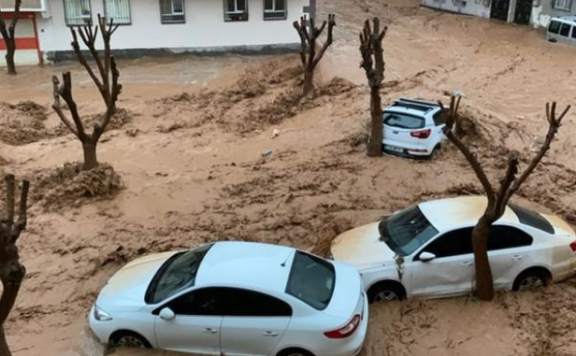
(189, 148)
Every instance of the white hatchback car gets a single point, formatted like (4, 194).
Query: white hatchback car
(234, 298)
(413, 128)
(426, 250)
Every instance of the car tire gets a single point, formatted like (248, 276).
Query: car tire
(295, 352)
(531, 279)
(129, 339)
(386, 292)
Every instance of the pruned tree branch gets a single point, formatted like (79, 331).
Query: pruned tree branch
(9, 36)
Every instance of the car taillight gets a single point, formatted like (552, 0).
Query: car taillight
(573, 246)
(346, 330)
(421, 134)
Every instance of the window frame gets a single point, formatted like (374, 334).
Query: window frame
(557, 5)
(562, 27)
(67, 19)
(243, 16)
(163, 20)
(274, 11)
(129, 23)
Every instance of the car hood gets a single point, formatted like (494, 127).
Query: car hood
(362, 247)
(128, 286)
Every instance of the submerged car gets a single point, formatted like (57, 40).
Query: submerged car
(413, 128)
(234, 298)
(426, 250)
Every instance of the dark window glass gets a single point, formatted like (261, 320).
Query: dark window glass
(172, 11)
(565, 30)
(275, 10)
(229, 302)
(554, 27)
(403, 121)
(311, 280)
(573, 32)
(406, 231)
(235, 10)
(176, 274)
(438, 118)
(532, 218)
(453, 243)
(502, 237)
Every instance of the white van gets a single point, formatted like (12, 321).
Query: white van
(562, 29)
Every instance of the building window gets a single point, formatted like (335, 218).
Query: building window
(172, 11)
(565, 5)
(235, 10)
(118, 11)
(77, 12)
(275, 10)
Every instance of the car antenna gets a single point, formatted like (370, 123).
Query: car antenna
(283, 264)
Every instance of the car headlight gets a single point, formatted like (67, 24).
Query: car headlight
(101, 315)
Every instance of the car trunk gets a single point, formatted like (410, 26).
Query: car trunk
(348, 283)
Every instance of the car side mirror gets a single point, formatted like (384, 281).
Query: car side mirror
(427, 256)
(167, 314)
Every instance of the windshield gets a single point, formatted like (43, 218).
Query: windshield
(176, 274)
(407, 230)
(403, 121)
(532, 218)
(311, 280)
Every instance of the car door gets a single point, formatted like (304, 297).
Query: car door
(451, 272)
(508, 252)
(254, 323)
(196, 325)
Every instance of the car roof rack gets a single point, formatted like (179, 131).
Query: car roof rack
(414, 104)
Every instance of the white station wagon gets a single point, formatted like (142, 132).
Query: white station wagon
(234, 298)
(426, 250)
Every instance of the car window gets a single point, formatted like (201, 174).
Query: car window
(403, 121)
(406, 231)
(554, 27)
(453, 243)
(565, 30)
(532, 218)
(208, 301)
(224, 301)
(503, 237)
(311, 280)
(439, 118)
(175, 275)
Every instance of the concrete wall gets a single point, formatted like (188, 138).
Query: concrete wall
(543, 11)
(205, 28)
(469, 7)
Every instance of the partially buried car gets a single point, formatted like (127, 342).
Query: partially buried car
(426, 250)
(234, 298)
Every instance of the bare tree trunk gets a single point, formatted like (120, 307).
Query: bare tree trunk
(90, 160)
(4, 349)
(10, 52)
(376, 126)
(308, 81)
(484, 286)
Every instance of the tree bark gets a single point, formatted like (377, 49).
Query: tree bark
(484, 283)
(90, 160)
(10, 52)
(4, 349)
(308, 81)
(376, 129)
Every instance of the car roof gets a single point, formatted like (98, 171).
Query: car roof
(447, 214)
(246, 264)
(414, 107)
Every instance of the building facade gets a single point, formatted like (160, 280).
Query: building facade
(159, 26)
(526, 12)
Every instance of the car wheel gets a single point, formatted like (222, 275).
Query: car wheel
(531, 279)
(295, 352)
(129, 339)
(385, 292)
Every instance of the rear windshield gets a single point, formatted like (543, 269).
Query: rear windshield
(554, 27)
(311, 280)
(532, 218)
(176, 274)
(403, 121)
(407, 230)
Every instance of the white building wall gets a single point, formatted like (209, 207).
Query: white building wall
(205, 27)
(469, 7)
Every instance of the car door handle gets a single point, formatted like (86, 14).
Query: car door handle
(270, 333)
(210, 331)
(468, 263)
(517, 257)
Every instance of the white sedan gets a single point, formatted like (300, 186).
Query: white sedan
(234, 298)
(426, 250)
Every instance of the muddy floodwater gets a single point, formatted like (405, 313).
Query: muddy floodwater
(189, 143)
